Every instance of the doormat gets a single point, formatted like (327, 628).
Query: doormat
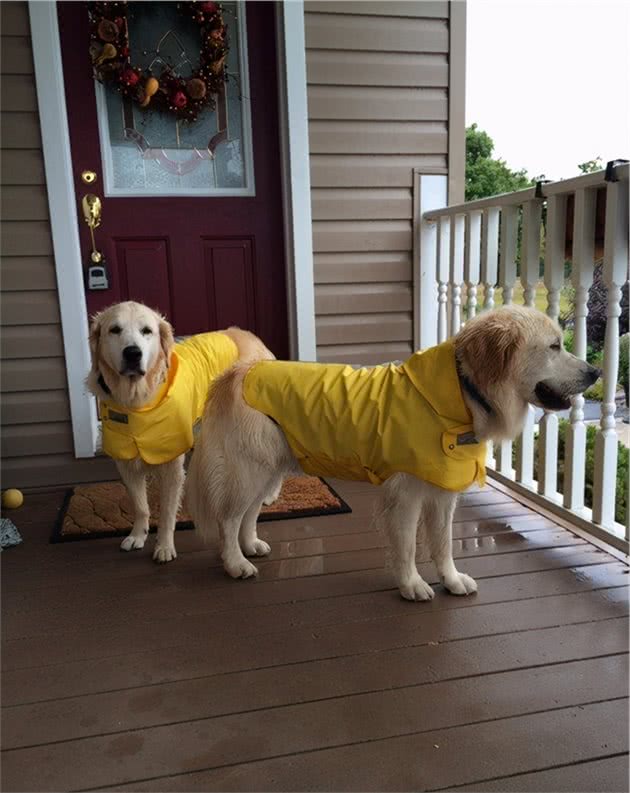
(104, 509)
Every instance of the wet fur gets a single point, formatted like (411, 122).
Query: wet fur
(134, 392)
(241, 454)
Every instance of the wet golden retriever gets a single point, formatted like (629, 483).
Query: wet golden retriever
(503, 360)
(131, 347)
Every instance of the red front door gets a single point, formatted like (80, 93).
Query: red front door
(195, 234)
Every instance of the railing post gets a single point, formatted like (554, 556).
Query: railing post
(582, 278)
(507, 277)
(429, 193)
(489, 255)
(471, 260)
(554, 278)
(615, 274)
(530, 274)
(530, 254)
(444, 230)
(456, 271)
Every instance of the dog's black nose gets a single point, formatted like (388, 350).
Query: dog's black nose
(132, 354)
(593, 374)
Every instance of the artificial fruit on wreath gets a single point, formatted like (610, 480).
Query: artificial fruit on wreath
(129, 77)
(107, 30)
(107, 53)
(179, 99)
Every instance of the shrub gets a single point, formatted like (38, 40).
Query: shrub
(597, 301)
(621, 492)
(624, 363)
(591, 352)
(595, 392)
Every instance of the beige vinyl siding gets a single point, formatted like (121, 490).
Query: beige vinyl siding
(36, 443)
(378, 76)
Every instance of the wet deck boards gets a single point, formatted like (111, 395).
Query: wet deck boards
(118, 673)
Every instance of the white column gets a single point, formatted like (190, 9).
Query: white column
(429, 193)
(298, 230)
(615, 274)
(582, 278)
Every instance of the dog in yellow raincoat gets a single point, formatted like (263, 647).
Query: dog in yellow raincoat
(151, 394)
(418, 430)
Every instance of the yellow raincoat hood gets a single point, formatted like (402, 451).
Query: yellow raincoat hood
(161, 431)
(368, 424)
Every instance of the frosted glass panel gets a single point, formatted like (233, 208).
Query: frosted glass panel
(155, 154)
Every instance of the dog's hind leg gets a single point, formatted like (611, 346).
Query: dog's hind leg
(234, 561)
(438, 518)
(171, 477)
(249, 540)
(133, 475)
(398, 516)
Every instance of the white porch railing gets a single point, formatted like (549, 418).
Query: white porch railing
(471, 245)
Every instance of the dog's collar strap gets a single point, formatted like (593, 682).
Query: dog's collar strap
(103, 384)
(473, 392)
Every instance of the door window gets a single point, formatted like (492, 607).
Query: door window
(155, 154)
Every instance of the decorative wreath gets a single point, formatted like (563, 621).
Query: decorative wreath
(166, 91)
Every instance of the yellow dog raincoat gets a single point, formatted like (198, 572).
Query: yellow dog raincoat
(161, 431)
(367, 424)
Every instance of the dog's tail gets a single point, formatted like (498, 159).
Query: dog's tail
(215, 455)
(250, 347)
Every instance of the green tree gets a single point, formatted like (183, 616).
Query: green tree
(485, 175)
(591, 165)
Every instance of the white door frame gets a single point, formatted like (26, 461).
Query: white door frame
(64, 209)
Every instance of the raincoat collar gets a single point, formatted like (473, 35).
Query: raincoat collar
(433, 374)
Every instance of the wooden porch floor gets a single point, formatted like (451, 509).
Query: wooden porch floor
(317, 676)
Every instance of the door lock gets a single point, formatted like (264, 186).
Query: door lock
(89, 177)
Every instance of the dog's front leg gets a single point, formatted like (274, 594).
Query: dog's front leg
(398, 517)
(171, 478)
(438, 519)
(133, 476)
(274, 491)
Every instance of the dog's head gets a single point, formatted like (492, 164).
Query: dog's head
(515, 355)
(130, 346)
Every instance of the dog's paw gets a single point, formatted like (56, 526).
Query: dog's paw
(164, 553)
(257, 548)
(416, 589)
(460, 584)
(240, 569)
(133, 542)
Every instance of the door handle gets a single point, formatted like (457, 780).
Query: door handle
(92, 208)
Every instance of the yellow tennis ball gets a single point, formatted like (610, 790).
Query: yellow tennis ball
(12, 499)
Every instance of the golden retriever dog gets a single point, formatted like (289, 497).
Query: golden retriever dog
(423, 442)
(151, 391)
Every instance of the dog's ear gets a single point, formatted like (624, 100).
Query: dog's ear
(486, 347)
(167, 340)
(95, 339)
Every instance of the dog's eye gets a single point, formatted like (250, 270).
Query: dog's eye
(556, 345)
(146, 331)
(116, 329)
